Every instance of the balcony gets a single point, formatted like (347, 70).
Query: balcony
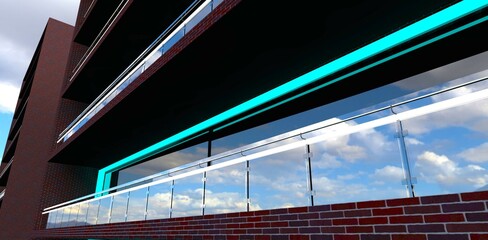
(108, 55)
(390, 151)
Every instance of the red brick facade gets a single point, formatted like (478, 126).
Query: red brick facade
(445, 217)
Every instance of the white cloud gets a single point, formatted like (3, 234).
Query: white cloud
(478, 154)
(388, 174)
(8, 97)
(413, 141)
(439, 169)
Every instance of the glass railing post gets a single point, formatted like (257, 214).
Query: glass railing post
(400, 135)
(147, 202)
(248, 194)
(308, 162)
(204, 181)
(110, 208)
(127, 207)
(171, 199)
(98, 212)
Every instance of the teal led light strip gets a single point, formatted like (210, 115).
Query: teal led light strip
(403, 35)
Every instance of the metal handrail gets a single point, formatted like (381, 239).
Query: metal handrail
(278, 138)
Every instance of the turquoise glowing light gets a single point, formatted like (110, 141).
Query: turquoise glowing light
(403, 35)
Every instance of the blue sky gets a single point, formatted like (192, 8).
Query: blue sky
(21, 26)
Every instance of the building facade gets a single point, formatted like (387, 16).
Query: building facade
(246, 119)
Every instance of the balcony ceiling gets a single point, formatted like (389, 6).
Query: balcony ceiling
(248, 52)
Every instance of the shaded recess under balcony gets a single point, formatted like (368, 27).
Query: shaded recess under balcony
(139, 23)
(243, 55)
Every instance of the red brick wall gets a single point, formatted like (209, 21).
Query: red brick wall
(445, 217)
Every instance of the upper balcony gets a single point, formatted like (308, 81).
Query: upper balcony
(131, 26)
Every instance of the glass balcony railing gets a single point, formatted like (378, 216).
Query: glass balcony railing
(425, 145)
(180, 27)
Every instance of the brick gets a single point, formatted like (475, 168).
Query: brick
(375, 237)
(279, 224)
(333, 229)
(280, 237)
(261, 212)
(288, 217)
(402, 202)
(346, 237)
(440, 199)
(426, 228)
(448, 237)
(474, 196)
(335, 214)
(423, 209)
(387, 211)
(309, 230)
(408, 237)
(299, 237)
(298, 223)
(297, 210)
(343, 206)
(373, 220)
(271, 231)
(458, 217)
(371, 204)
(475, 236)
(467, 227)
(321, 237)
(406, 219)
(464, 207)
(357, 213)
(308, 216)
(390, 228)
(320, 222)
(477, 217)
(345, 221)
(359, 229)
(289, 230)
(262, 224)
(320, 208)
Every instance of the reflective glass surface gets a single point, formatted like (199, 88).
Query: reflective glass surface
(92, 215)
(187, 196)
(226, 190)
(119, 208)
(104, 210)
(159, 201)
(137, 205)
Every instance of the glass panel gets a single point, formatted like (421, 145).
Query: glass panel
(51, 219)
(225, 190)
(155, 56)
(175, 38)
(119, 208)
(448, 149)
(187, 196)
(137, 205)
(59, 217)
(65, 217)
(92, 214)
(198, 17)
(365, 165)
(81, 220)
(279, 180)
(159, 201)
(73, 215)
(104, 210)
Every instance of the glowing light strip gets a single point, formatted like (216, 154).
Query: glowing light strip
(403, 35)
(325, 135)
